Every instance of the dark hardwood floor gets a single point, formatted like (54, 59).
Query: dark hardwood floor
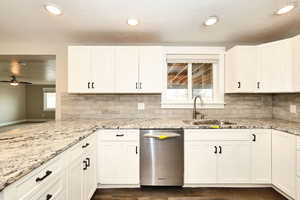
(187, 194)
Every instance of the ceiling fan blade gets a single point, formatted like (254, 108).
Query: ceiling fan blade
(25, 83)
(5, 81)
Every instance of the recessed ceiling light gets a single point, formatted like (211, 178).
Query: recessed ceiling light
(212, 20)
(285, 9)
(132, 22)
(53, 9)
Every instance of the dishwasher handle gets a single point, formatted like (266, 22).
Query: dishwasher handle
(161, 136)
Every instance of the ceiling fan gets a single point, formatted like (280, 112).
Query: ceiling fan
(14, 82)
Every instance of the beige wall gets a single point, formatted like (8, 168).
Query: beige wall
(12, 103)
(35, 103)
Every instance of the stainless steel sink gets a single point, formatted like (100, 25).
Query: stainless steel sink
(208, 122)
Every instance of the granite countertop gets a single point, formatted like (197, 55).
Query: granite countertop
(24, 149)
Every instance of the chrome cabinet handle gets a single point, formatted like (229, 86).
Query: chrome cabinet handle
(120, 135)
(48, 173)
(220, 151)
(254, 137)
(216, 150)
(239, 84)
(93, 85)
(141, 85)
(136, 85)
(89, 85)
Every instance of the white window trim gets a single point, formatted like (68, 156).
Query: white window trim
(45, 90)
(218, 77)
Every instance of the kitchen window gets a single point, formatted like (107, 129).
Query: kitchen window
(49, 99)
(187, 76)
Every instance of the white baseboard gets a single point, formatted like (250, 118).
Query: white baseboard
(12, 122)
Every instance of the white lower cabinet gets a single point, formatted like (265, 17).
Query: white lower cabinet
(81, 171)
(215, 157)
(118, 157)
(200, 162)
(261, 157)
(284, 162)
(234, 162)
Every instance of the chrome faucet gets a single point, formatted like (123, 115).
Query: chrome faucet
(195, 112)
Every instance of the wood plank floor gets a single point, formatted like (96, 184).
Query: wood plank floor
(187, 194)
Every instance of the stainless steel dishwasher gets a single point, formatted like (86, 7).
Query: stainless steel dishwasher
(161, 161)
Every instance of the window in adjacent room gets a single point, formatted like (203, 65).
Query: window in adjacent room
(49, 99)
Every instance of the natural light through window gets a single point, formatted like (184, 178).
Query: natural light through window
(187, 76)
(49, 99)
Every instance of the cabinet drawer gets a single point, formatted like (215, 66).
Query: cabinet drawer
(54, 191)
(38, 179)
(216, 135)
(119, 135)
(298, 163)
(298, 143)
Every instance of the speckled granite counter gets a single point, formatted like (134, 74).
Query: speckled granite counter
(25, 149)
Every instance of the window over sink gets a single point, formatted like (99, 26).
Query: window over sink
(190, 75)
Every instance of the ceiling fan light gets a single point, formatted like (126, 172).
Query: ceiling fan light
(14, 83)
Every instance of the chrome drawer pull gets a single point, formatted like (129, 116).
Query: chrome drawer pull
(48, 172)
(120, 135)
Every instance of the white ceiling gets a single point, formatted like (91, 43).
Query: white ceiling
(161, 21)
(37, 69)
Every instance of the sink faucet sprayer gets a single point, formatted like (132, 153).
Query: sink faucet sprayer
(195, 112)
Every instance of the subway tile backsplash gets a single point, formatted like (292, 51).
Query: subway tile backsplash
(87, 106)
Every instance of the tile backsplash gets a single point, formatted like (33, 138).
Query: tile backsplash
(86, 106)
(281, 107)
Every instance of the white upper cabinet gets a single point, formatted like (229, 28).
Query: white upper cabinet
(268, 68)
(242, 68)
(90, 69)
(127, 69)
(115, 69)
(150, 65)
(102, 69)
(79, 69)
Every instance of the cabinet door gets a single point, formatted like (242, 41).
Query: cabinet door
(118, 163)
(150, 69)
(90, 182)
(242, 69)
(126, 69)
(276, 66)
(200, 163)
(234, 162)
(79, 69)
(102, 67)
(261, 157)
(284, 162)
(76, 180)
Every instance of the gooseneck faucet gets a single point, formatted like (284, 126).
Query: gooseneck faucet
(195, 112)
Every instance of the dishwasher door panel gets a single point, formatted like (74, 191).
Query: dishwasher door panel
(161, 159)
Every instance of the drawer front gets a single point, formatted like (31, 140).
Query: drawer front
(298, 143)
(55, 189)
(216, 135)
(119, 135)
(298, 163)
(39, 178)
